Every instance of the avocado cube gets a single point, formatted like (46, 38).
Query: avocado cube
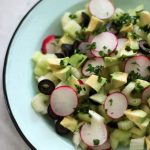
(148, 142)
(93, 24)
(118, 79)
(142, 83)
(73, 81)
(70, 123)
(96, 82)
(143, 126)
(111, 61)
(84, 117)
(63, 74)
(77, 60)
(136, 132)
(113, 69)
(136, 116)
(66, 39)
(99, 97)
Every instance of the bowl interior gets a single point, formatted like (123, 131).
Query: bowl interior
(44, 19)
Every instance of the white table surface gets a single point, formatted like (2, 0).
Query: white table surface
(11, 12)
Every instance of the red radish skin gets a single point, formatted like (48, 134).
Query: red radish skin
(88, 134)
(102, 9)
(63, 101)
(138, 64)
(94, 62)
(106, 42)
(115, 104)
(80, 82)
(145, 94)
(47, 46)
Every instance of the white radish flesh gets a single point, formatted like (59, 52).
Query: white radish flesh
(63, 101)
(138, 64)
(116, 104)
(94, 62)
(121, 43)
(47, 45)
(95, 130)
(101, 9)
(105, 42)
(146, 94)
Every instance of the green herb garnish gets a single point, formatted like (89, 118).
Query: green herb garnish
(72, 16)
(99, 30)
(91, 46)
(79, 89)
(101, 53)
(145, 28)
(96, 142)
(62, 64)
(96, 70)
(80, 36)
(110, 102)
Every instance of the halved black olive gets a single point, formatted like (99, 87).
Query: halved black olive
(51, 114)
(112, 124)
(85, 20)
(60, 55)
(144, 47)
(67, 49)
(46, 86)
(76, 44)
(60, 129)
(110, 27)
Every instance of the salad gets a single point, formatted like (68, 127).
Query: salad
(94, 79)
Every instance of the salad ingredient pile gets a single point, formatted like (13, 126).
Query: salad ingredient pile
(94, 79)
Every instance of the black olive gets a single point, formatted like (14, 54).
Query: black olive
(144, 47)
(67, 49)
(51, 113)
(46, 86)
(60, 55)
(111, 28)
(76, 44)
(112, 125)
(60, 129)
(92, 92)
(85, 20)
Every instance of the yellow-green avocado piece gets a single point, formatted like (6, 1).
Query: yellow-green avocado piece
(118, 79)
(70, 123)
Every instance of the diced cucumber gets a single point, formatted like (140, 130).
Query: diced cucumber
(111, 61)
(76, 72)
(142, 83)
(146, 109)
(137, 144)
(136, 132)
(114, 143)
(84, 117)
(66, 39)
(125, 125)
(40, 103)
(65, 19)
(114, 69)
(71, 28)
(38, 71)
(37, 56)
(143, 126)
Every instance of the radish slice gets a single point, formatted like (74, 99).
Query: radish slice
(121, 43)
(91, 37)
(105, 42)
(94, 62)
(94, 131)
(116, 104)
(146, 94)
(138, 64)
(47, 46)
(101, 9)
(63, 101)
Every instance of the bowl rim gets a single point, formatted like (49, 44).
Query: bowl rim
(4, 78)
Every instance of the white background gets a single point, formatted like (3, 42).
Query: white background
(11, 12)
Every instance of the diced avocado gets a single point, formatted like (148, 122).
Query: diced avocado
(144, 18)
(111, 61)
(128, 28)
(38, 71)
(77, 60)
(127, 91)
(132, 44)
(142, 83)
(113, 69)
(118, 79)
(76, 72)
(148, 142)
(40, 103)
(143, 126)
(84, 117)
(146, 109)
(70, 123)
(50, 77)
(136, 116)
(96, 82)
(63, 74)
(65, 19)
(114, 143)
(136, 132)
(71, 28)
(73, 81)
(66, 39)
(93, 24)
(99, 97)
(57, 63)
(137, 144)
(37, 56)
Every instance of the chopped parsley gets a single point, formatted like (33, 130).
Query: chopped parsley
(91, 46)
(96, 142)
(99, 79)
(72, 16)
(101, 53)
(84, 108)
(110, 102)
(62, 64)
(80, 36)
(79, 89)
(96, 70)
(99, 30)
(145, 28)
(128, 48)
